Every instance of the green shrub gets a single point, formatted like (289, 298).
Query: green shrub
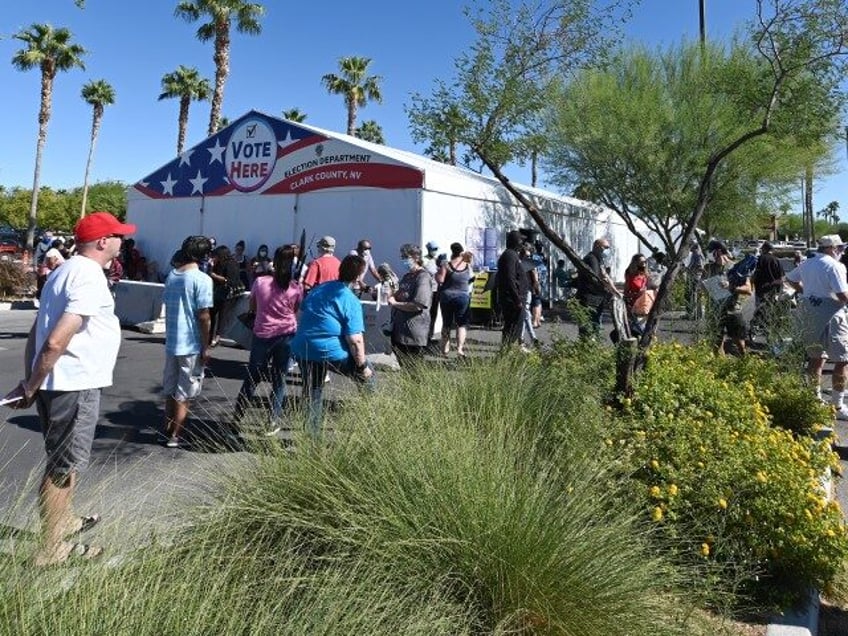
(730, 495)
(788, 398)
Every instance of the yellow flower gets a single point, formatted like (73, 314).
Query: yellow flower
(657, 514)
(655, 464)
(761, 477)
(705, 549)
(722, 503)
(672, 490)
(656, 493)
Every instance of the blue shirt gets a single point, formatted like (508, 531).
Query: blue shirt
(329, 314)
(186, 293)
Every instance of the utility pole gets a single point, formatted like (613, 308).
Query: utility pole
(704, 26)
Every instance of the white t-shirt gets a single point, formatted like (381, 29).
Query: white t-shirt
(821, 276)
(79, 287)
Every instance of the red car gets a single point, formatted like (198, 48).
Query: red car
(9, 249)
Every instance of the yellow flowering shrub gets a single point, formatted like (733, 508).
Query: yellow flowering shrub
(725, 488)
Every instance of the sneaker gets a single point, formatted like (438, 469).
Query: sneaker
(842, 413)
(273, 431)
(173, 442)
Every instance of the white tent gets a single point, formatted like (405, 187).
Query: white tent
(264, 180)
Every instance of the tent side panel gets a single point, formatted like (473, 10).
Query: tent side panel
(388, 218)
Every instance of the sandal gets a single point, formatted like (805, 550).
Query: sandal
(85, 524)
(75, 551)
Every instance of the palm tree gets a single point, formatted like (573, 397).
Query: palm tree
(371, 131)
(186, 84)
(294, 115)
(50, 50)
(99, 94)
(221, 14)
(355, 86)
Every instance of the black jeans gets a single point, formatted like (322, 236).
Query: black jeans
(513, 322)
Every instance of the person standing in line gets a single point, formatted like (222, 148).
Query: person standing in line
(363, 249)
(533, 289)
(331, 337)
(241, 260)
(411, 308)
(226, 285)
(694, 274)
(823, 316)
(260, 265)
(594, 293)
(454, 278)
(275, 300)
(70, 356)
(325, 268)
(431, 264)
(512, 286)
(187, 300)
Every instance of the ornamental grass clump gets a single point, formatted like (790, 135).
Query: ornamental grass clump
(730, 494)
(468, 501)
(477, 486)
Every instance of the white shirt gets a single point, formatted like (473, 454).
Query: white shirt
(79, 287)
(821, 276)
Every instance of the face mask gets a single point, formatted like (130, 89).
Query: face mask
(262, 253)
(365, 253)
(409, 263)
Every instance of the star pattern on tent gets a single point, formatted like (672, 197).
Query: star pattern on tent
(202, 171)
(168, 185)
(197, 183)
(287, 141)
(216, 152)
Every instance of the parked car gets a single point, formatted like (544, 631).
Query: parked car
(9, 249)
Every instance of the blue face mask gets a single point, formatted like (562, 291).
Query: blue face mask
(408, 263)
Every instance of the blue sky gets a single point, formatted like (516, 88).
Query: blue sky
(133, 44)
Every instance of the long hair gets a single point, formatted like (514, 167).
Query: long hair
(283, 259)
(633, 268)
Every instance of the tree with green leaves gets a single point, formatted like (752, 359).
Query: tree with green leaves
(638, 131)
(294, 115)
(441, 130)
(355, 85)
(220, 16)
(524, 53)
(187, 85)
(371, 131)
(504, 80)
(50, 50)
(98, 94)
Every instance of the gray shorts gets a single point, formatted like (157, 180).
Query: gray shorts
(68, 420)
(182, 378)
(824, 328)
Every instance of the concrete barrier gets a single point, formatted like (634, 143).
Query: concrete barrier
(137, 302)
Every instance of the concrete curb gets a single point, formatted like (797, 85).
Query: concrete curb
(8, 305)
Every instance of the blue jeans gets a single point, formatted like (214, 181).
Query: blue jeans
(313, 374)
(264, 352)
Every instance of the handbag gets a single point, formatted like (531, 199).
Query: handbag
(643, 303)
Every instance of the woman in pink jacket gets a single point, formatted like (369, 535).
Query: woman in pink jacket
(275, 300)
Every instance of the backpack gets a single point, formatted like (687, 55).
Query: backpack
(741, 271)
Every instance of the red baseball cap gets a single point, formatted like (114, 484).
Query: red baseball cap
(99, 224)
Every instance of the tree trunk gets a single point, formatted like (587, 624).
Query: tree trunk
(808, 205)
(222, 70)
(43, 120)
(95, 128)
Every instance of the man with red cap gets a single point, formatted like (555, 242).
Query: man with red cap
(71, 354)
